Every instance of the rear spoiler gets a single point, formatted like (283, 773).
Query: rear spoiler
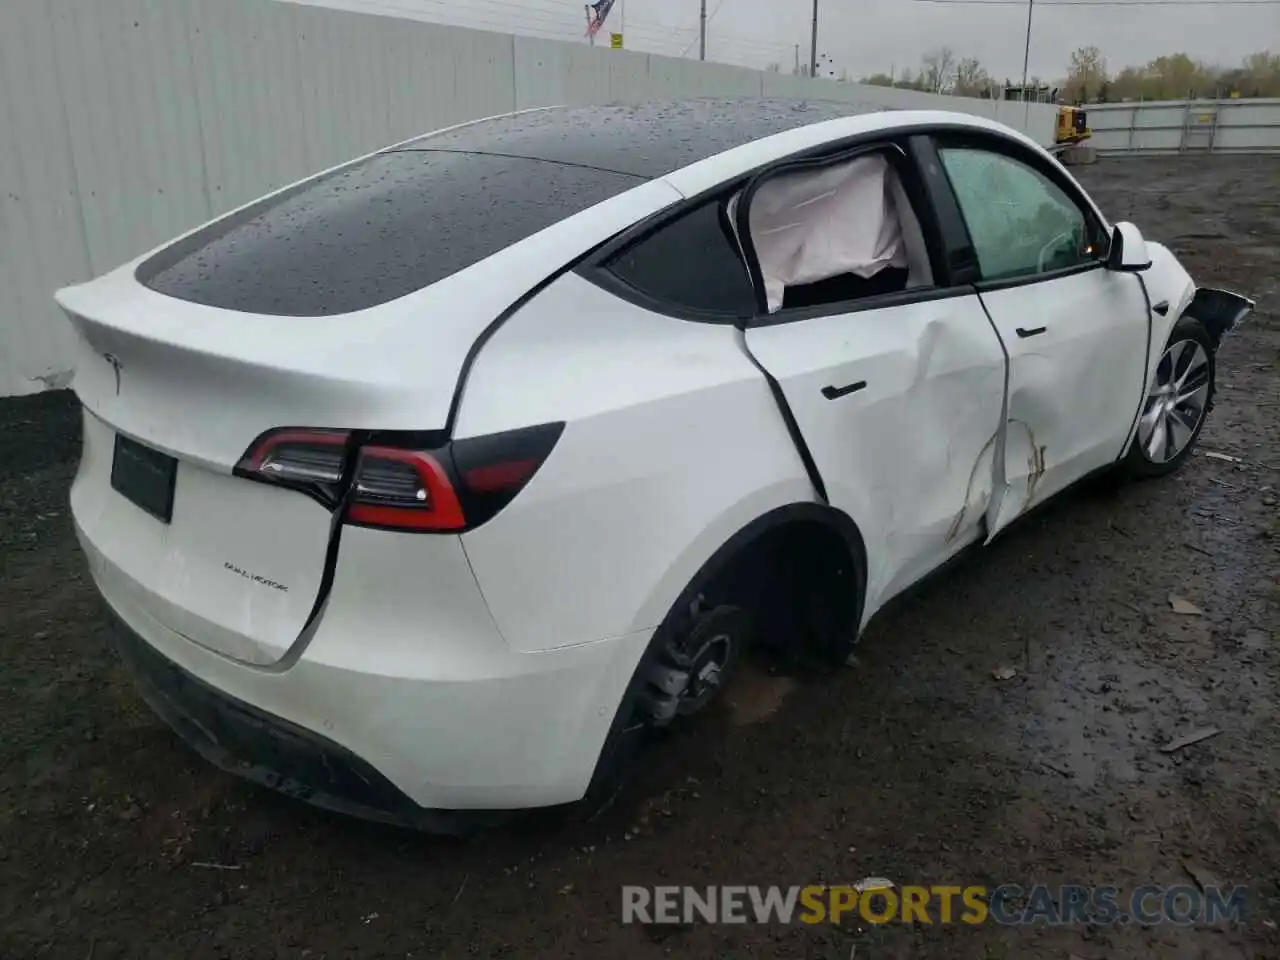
(1221, 311)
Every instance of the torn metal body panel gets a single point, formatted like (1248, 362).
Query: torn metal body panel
(1075, 346)
(1221, 311)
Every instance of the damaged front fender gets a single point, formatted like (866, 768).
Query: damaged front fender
(1221, 311)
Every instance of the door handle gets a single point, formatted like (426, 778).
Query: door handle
(1023, 332)
(1162, 307)
(835, 393)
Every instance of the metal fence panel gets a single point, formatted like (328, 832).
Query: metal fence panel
(1186, 126)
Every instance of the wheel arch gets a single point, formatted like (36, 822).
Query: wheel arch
(810, 512)
(625, 730)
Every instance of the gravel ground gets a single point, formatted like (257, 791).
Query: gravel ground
(914, 765)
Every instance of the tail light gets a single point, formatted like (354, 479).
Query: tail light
(391, 482)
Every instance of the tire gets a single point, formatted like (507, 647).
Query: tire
(692, 668)
(657, 700)
(1177, 403)
(705, 607)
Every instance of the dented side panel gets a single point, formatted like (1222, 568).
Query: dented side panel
(1077, 350)
(905, 433)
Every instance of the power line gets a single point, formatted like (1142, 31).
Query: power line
(550, 22)
(1105, 3)
(508, 16)
(711, 16)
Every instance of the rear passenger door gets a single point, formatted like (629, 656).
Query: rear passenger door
(897, 396)
(1076, 333)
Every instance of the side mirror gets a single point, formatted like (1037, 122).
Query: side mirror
(1128, 251)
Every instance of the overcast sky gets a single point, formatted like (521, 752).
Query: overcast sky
(871, 36)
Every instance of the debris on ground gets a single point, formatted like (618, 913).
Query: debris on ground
(1004, 673)
(872, 884)
(1195, 736)
(1059, 769)
(1185, 607)
(1203, 878)
(1228, 458)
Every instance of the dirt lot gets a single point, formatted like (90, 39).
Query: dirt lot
(914, 765)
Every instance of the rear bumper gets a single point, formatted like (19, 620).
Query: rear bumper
(251, 743)
(420, 716)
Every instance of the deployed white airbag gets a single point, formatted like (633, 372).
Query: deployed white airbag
(816, 224)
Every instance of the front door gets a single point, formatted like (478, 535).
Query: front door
(1076, 333)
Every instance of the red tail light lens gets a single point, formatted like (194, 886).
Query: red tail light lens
(387, 482)
(307, 460)
(405, 490)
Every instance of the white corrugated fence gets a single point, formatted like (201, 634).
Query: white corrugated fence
(1186, 126)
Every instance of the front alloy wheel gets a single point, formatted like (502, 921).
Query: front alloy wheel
(1177, 402)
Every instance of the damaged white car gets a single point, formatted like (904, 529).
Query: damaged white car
(425, 486)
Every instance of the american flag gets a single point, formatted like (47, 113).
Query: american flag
(596, 13)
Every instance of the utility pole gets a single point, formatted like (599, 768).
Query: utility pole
(702, 32)
(796, 71)
(813, 43)
(1026, 59)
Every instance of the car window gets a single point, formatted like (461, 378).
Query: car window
(1021, 222)
(690, 262)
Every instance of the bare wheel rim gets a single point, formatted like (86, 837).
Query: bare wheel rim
(1176, 403)
(706, 673)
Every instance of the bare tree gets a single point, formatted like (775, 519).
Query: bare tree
(937, 69)
(1087, 73)
(971, 78)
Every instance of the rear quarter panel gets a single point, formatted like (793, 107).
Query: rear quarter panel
(672, 444)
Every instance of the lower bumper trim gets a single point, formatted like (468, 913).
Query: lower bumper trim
(269, 750)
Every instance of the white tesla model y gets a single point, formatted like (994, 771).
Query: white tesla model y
(427, 485)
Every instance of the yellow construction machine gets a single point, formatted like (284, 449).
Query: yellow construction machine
(1073, 126)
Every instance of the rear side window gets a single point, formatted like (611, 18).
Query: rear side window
(392, 224)
(690, 263)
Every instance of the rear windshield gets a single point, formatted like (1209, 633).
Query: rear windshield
(392, 224)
